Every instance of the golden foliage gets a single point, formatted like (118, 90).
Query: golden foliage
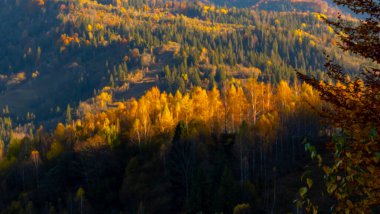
(158, 113)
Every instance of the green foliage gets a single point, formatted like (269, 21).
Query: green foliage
(225, 198)
(6, 163)
(56, 149)
(191, 167)
(80, 193)
(351, 178)
(242, 209)
(181, 163)
(14, 148)
(111, 39)
(131, 46)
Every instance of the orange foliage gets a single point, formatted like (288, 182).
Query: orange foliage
(158, 113)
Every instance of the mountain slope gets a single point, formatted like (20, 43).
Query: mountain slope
(320, 6)
(61, 53)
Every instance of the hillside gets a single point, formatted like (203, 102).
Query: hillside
(172, 106)
(59, 53)
(320, 6)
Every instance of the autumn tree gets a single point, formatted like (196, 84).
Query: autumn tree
(354, 109)
(143, 119)
(200, 103)
(215, 110)
(255, 97)
(56, 149)
(236, 106)
(2, 149)
(165, 120)
(136, 133)
(284, 96)
(36, 159)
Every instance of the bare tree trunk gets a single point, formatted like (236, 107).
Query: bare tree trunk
(81, 205)
(275, 178)
(241, 164)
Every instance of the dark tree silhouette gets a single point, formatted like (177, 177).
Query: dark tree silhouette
(353, 106)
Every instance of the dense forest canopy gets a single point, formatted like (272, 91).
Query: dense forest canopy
(135, 106)
(59, 52)
(220, 134)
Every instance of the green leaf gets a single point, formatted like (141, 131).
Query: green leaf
(307, 173)
(307, 146)
(373, 133)
(299, 204)
(377, 157)
(331, 187)
(319, 157)
(80, 193)
(302, 191)
(313, 155)
(309, 182)
(327, 170)
(312, 148)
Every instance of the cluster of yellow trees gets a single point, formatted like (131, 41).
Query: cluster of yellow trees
(259, 104)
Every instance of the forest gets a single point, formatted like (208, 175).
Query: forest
(158, 106)
(80, 47)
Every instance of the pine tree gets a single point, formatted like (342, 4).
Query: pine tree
(181, 160)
